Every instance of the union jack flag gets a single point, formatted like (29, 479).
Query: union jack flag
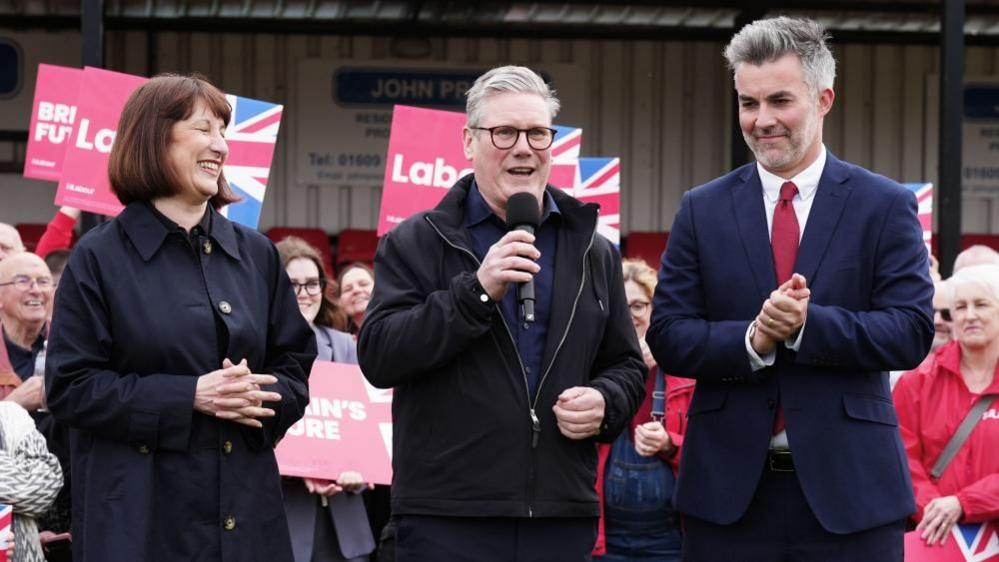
(565, 153)
(6, 521)
(924, 197)
(251, 136)
(598, 180)
(979, 542)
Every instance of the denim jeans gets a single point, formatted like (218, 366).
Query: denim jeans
(640, 523)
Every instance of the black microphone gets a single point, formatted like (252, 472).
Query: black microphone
(523, 212)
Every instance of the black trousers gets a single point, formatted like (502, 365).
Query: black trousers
(421, 538)
(780, 527)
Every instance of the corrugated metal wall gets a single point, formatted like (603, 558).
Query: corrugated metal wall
(665, 107)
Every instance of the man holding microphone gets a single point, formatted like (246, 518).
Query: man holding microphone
(496, 406)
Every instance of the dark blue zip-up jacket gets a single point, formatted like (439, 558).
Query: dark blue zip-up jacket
(464, 442)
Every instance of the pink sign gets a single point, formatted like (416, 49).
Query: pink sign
(971, 542)
(347, 426)
(84, 183)
(52, 121)
(426, 157)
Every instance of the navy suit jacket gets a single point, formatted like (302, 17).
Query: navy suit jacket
(863, 257)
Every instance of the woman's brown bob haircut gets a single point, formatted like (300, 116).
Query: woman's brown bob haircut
(138, 166)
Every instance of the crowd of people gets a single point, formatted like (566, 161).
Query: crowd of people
(610, 412)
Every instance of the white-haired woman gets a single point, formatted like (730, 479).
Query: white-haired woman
(934, 399)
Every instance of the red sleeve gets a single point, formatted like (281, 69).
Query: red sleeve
(58, 235)
(907, 403)
(980, 500)
(677, 404)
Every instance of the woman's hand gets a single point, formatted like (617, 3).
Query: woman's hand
(651, 438)
(352, 481)
(322, 487)
(233, 393)
(650, 361)
(939, 518)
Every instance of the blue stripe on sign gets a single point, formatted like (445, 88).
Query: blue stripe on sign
(247, 211)
(247, 108)
(590, 166)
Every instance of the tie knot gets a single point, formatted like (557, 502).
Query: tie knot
(788, 191)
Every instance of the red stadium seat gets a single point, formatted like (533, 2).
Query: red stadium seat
(316, 237)
(647, 246)
(356, 245)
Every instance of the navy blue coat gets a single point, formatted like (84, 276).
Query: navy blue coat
(863, 257)
(135, 324)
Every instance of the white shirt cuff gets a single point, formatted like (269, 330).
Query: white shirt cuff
(756, 362)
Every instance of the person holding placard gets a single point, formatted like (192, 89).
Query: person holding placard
(327, 519)
(177, 355)
(955, 471)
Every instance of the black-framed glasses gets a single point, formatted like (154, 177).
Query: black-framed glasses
(505, 137)
(312, 287)
(638, 308)
(944, 313)
(23, 283)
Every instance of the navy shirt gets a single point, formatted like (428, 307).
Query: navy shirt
(486, 229)
(23, 360)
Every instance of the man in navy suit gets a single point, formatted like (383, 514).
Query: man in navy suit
(789, 288)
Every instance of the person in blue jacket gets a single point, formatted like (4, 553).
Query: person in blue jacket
(177, 354)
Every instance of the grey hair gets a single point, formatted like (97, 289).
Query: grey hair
(976, 255)
(504, 79)
(767, 40)
(984, 274)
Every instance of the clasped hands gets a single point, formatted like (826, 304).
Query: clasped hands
(782, 315)
(234, 393)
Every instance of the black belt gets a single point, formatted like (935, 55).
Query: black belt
(780, 461)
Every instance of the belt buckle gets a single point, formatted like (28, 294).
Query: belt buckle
(772, 455)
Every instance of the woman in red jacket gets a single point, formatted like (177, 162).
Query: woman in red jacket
(933, 399)
(636, 474)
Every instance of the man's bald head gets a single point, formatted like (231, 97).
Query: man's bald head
(978, 254)
(10, 241)
(20, 264)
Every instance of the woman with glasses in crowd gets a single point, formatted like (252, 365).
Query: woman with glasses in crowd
(934, 399)
(327, 520)
(177, 354)
(636, 474)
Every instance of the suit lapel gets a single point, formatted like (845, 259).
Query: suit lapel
(751, 217)
(830, 200)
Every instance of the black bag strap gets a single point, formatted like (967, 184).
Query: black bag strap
(961, 435)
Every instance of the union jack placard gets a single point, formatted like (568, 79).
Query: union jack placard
(251, 136)
(970, 542)
(598, 180)
(924, 197)
(565, 154)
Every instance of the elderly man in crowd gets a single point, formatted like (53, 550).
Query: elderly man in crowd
(10, 241)
(25, 298)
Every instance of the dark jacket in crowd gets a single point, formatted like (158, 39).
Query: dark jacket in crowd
(142, 311)
(464, 441)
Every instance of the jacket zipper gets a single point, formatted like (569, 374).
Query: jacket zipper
(532, 404)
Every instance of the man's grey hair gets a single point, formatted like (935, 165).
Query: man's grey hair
(507, 79)
(770, 39)
(978, 254)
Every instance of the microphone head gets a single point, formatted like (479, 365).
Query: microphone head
(522, 209)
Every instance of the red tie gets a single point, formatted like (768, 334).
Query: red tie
(784, 242)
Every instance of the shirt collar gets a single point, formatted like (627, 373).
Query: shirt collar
(807, 180)
(479, 211)
(37, 345)
(949, 357)
(147, 228)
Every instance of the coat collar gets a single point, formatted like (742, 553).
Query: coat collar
(147, 232)
(750, 215)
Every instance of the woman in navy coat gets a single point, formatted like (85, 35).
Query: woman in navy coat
(177, 354)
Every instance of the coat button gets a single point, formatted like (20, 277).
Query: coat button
(227, 447)
(207, 246)
(229, 523)
(225, 307)
(144, 449)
